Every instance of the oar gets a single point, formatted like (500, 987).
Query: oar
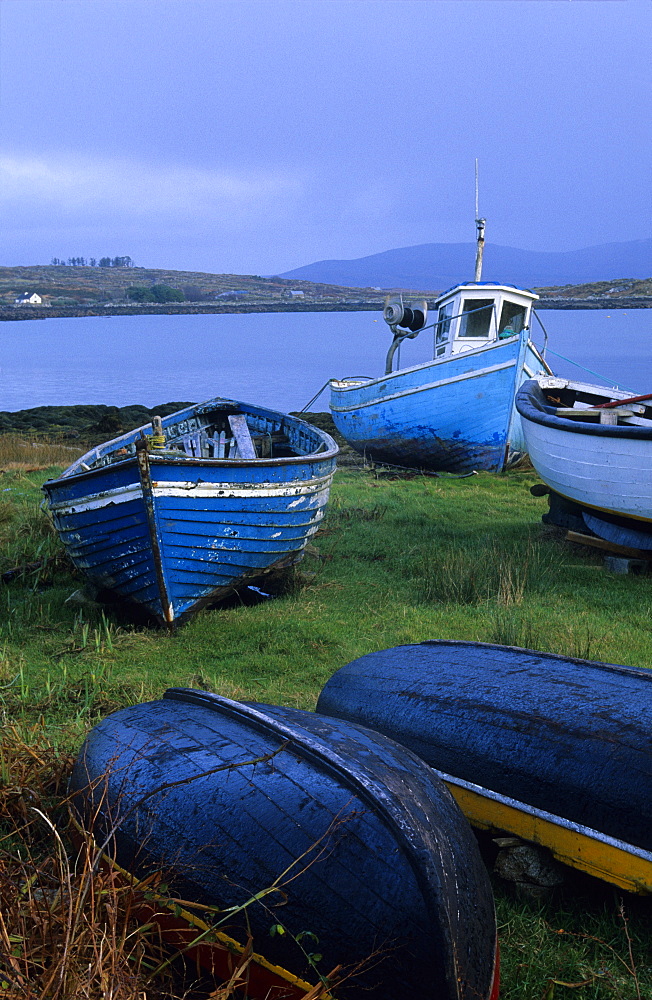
(622, 402)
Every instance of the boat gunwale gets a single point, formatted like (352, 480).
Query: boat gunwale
(611, 511)
(413, 389)
(537, 412)
(555, 819)
(184, 489)
(223, 940)
(188, 461)
(334, 383)
(588, 850)
(324, 438)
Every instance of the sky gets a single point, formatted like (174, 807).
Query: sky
(255, 136)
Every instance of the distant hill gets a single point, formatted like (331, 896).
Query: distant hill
(69, 291)
(85, 285)
(440, 265)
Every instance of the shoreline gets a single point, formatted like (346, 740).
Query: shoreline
(17, 313)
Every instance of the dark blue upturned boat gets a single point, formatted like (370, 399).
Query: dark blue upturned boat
(175, 514)
(369, 859)
(556, 750)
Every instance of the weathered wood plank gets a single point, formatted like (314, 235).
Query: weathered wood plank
(242, 435)
(581, 413)
(602, 543)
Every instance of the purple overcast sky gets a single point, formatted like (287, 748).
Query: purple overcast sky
(254, 136)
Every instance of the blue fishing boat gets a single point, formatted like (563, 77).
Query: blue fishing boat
(316, 843)
(176, 514)
(554, 750)
(455, 413)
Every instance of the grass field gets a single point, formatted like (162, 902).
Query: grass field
(397, 560)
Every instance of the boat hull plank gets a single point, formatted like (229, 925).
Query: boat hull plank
(456, 427)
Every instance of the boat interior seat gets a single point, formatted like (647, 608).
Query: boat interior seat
(235, 442)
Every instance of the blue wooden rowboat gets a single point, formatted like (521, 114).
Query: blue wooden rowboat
(555, 750)
(218, 494)
(277, 816)
(592, 447)
(456, 412)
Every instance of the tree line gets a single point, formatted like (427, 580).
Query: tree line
(93, 262)
(155, 293)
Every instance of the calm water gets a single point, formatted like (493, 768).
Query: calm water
(274, 359)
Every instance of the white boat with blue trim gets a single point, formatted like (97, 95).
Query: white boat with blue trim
(592, 447)
(180, 512)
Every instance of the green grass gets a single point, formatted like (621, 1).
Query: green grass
(587, 944)
(398, 560)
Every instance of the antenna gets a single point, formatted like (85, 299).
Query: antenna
(476, 190)
(479, 225)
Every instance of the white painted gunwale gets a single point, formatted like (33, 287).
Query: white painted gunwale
(189, 490)
(348, 385)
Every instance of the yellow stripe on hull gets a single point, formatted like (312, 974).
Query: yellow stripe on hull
(579, 847)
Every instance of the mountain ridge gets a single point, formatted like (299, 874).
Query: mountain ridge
(441, 265)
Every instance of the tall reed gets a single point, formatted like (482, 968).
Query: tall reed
(473, 571)
(73, 926)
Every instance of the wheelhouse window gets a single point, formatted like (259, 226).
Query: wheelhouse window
(442, 329)
(476, 317)
(512, 320)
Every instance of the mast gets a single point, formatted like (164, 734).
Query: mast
(479, 225)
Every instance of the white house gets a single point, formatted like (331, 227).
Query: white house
(296, 293)
(29, 300)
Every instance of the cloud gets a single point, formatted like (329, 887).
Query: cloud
(98, 185)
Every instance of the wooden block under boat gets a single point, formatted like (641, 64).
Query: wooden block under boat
(601, 543)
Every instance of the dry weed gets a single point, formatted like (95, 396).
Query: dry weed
(72, 926)
(21, 454)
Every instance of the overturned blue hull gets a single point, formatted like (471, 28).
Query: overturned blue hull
(172, 522)
(368, 863)
(556, 750)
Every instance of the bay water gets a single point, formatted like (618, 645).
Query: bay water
(278, 360)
